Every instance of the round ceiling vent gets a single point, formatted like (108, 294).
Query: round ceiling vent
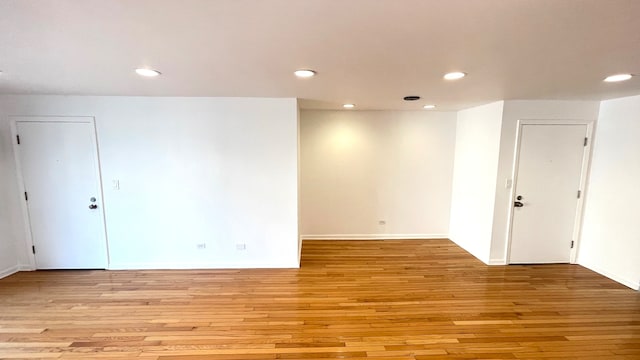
(411, 98)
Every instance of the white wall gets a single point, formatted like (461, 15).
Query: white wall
(298, 186)
(610, 242)
(515, 110)
(220, 171)
(360, 167)
(224, 171)
(474, 178)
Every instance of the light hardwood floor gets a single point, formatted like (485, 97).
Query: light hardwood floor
(378, 300)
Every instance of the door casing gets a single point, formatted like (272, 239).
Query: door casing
(21, 185)
(586, 161)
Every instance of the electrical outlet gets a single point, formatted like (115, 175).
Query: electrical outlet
(201, 246)
(382, 222)
(241, 246)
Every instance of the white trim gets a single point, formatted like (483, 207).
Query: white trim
(586, 163)
(26, 267)
(13, 123)
(9, 271)
(299, 249)
(196, 265)
(374, 236)
(464, 247)
(497, 262)
(634, 284)
(298, 182)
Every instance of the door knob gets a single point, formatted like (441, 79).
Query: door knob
(518, 204)
(93, 206)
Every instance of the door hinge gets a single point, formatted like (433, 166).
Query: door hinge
(26, 197)
(18, 139)
(572, 243)
(579, 194)
(586, 141)
(33, 249)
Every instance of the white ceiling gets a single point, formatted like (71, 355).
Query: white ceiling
(369, 52)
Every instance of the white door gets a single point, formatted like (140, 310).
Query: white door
(547, 184)
(59, 165)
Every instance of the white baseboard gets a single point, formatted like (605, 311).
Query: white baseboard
(196, 266)
(9, 271)
(373, 236)
(497, 262)
(634, 284)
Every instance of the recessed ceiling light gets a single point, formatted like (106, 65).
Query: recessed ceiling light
(147, 72)
(349, 106)
(304, 73)
(429, 106)
(618, 77)
(454, 75)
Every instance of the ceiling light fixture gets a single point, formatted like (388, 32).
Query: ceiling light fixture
(411, 98)
(618, 77)
(348, 106)
(454, 75)
(304, 73)
(429, 106)
(147, 72)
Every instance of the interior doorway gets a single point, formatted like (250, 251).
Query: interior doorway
(58, 163)
(549, 180)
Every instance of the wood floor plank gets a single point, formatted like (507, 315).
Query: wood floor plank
(383, 300)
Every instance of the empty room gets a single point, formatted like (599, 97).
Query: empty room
(318, 179)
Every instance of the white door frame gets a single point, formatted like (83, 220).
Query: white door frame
(586, 162)
(14, 119)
